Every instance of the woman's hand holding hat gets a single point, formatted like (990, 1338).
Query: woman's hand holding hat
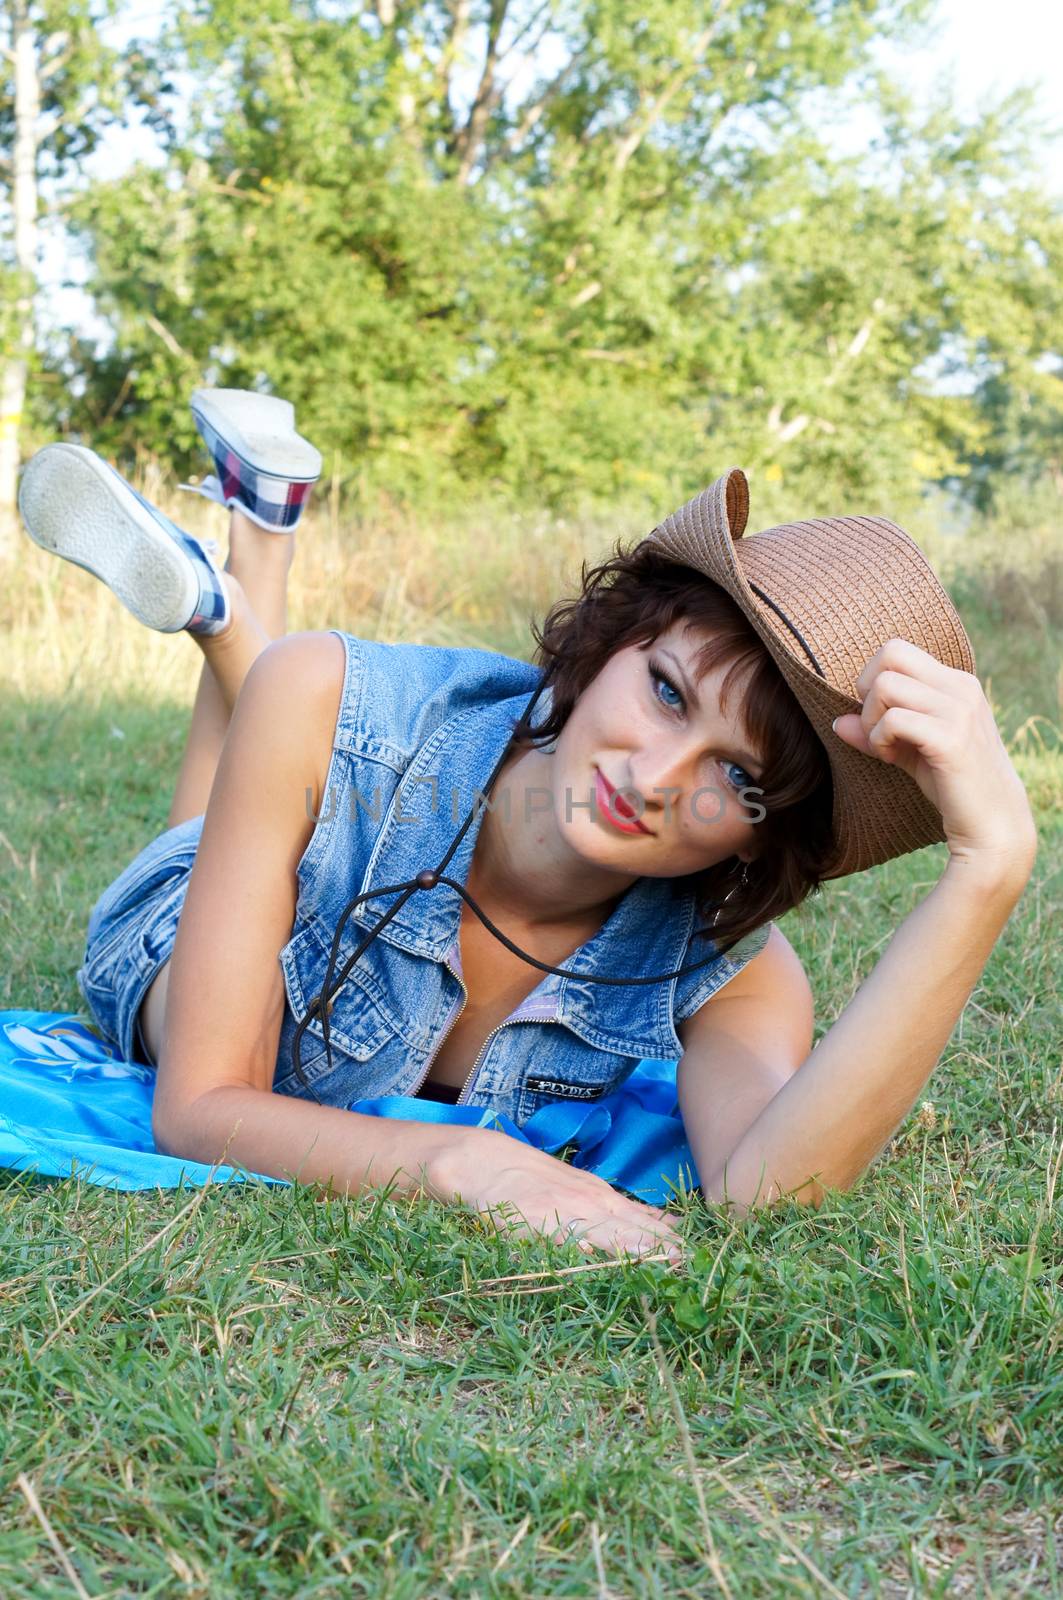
(935, 723)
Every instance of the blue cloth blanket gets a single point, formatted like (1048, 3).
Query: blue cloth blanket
(70, 1107)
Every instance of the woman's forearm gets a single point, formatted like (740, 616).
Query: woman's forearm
(835, 1114)
(283, 1137)
(522, 1189)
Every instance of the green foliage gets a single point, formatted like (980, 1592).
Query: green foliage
(10, 326)
(77, 81)
(575, 252)
(68, 76)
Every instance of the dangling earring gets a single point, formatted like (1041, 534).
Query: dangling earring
(741, 884)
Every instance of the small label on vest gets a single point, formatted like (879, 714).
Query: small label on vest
(563, 1091)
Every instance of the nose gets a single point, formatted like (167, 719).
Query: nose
(657, 768)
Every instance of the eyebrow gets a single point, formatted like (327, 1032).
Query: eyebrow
(752, 762)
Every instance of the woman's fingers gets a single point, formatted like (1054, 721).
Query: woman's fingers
(632, 1232)
(880, 735)
(935, 724)
(593, 1229)
(898, 726)
(902, 656)
(620, 1239)
(894, 691)
(529, 1192)
(902, 676)
(893, 688)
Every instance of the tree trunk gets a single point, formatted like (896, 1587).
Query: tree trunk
(24, 210)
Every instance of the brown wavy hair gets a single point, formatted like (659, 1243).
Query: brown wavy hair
(634, 597)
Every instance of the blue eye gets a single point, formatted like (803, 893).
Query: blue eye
(745, 781)
(661, 681)
(737, 777)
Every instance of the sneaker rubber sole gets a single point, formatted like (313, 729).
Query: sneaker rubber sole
(74, 506)
(260, 430)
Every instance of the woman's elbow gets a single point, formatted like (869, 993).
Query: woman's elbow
(740, 1192)
(166, 1132)
(174, 1125)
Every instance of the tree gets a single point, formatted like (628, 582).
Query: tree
(51, 102)
(567, 249)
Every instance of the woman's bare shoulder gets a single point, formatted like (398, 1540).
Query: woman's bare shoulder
(316, 655)
(303, 675)
(773, 984)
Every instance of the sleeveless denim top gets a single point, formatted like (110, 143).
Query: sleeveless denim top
(419, 731)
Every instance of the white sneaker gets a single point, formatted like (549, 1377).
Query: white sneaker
(77, 507)
(263, 466)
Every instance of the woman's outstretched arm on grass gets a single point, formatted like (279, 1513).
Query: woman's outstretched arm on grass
(815, 1125)
(225, 999)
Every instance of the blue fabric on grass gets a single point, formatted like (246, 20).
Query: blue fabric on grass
(70, 1107)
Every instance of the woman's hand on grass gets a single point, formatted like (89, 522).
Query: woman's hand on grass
(935, 723)
(528, 1192)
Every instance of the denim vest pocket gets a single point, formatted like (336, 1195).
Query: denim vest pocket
(596, 1075)
(357, 1028)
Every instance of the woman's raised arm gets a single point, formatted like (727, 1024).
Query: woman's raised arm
(835, 1113)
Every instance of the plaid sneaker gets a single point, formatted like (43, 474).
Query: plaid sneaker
(263, 466)
(78, 507)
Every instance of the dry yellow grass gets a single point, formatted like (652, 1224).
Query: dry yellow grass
(476, 581)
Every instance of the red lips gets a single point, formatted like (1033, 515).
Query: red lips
(621, 804)
(616, 807)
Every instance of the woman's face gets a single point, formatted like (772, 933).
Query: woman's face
(649, 770)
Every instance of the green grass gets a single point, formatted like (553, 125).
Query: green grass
(280, 1395)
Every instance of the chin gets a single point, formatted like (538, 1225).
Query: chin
(595, 843)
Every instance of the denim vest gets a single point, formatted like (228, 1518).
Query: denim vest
(419, 731)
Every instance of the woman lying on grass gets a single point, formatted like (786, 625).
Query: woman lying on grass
(682, 782)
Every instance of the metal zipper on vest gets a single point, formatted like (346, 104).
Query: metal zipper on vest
(476, 1064)
(509, 1022)
(455, 1012)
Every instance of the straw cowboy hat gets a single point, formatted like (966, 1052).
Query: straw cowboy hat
(824, 596)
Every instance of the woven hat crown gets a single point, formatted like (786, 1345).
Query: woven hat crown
(824, 595)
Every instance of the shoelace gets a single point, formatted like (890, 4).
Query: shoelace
(208, 489)
(426, 880)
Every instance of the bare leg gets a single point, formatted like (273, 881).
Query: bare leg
(259, 562)
(257, 582)
(228, 657)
